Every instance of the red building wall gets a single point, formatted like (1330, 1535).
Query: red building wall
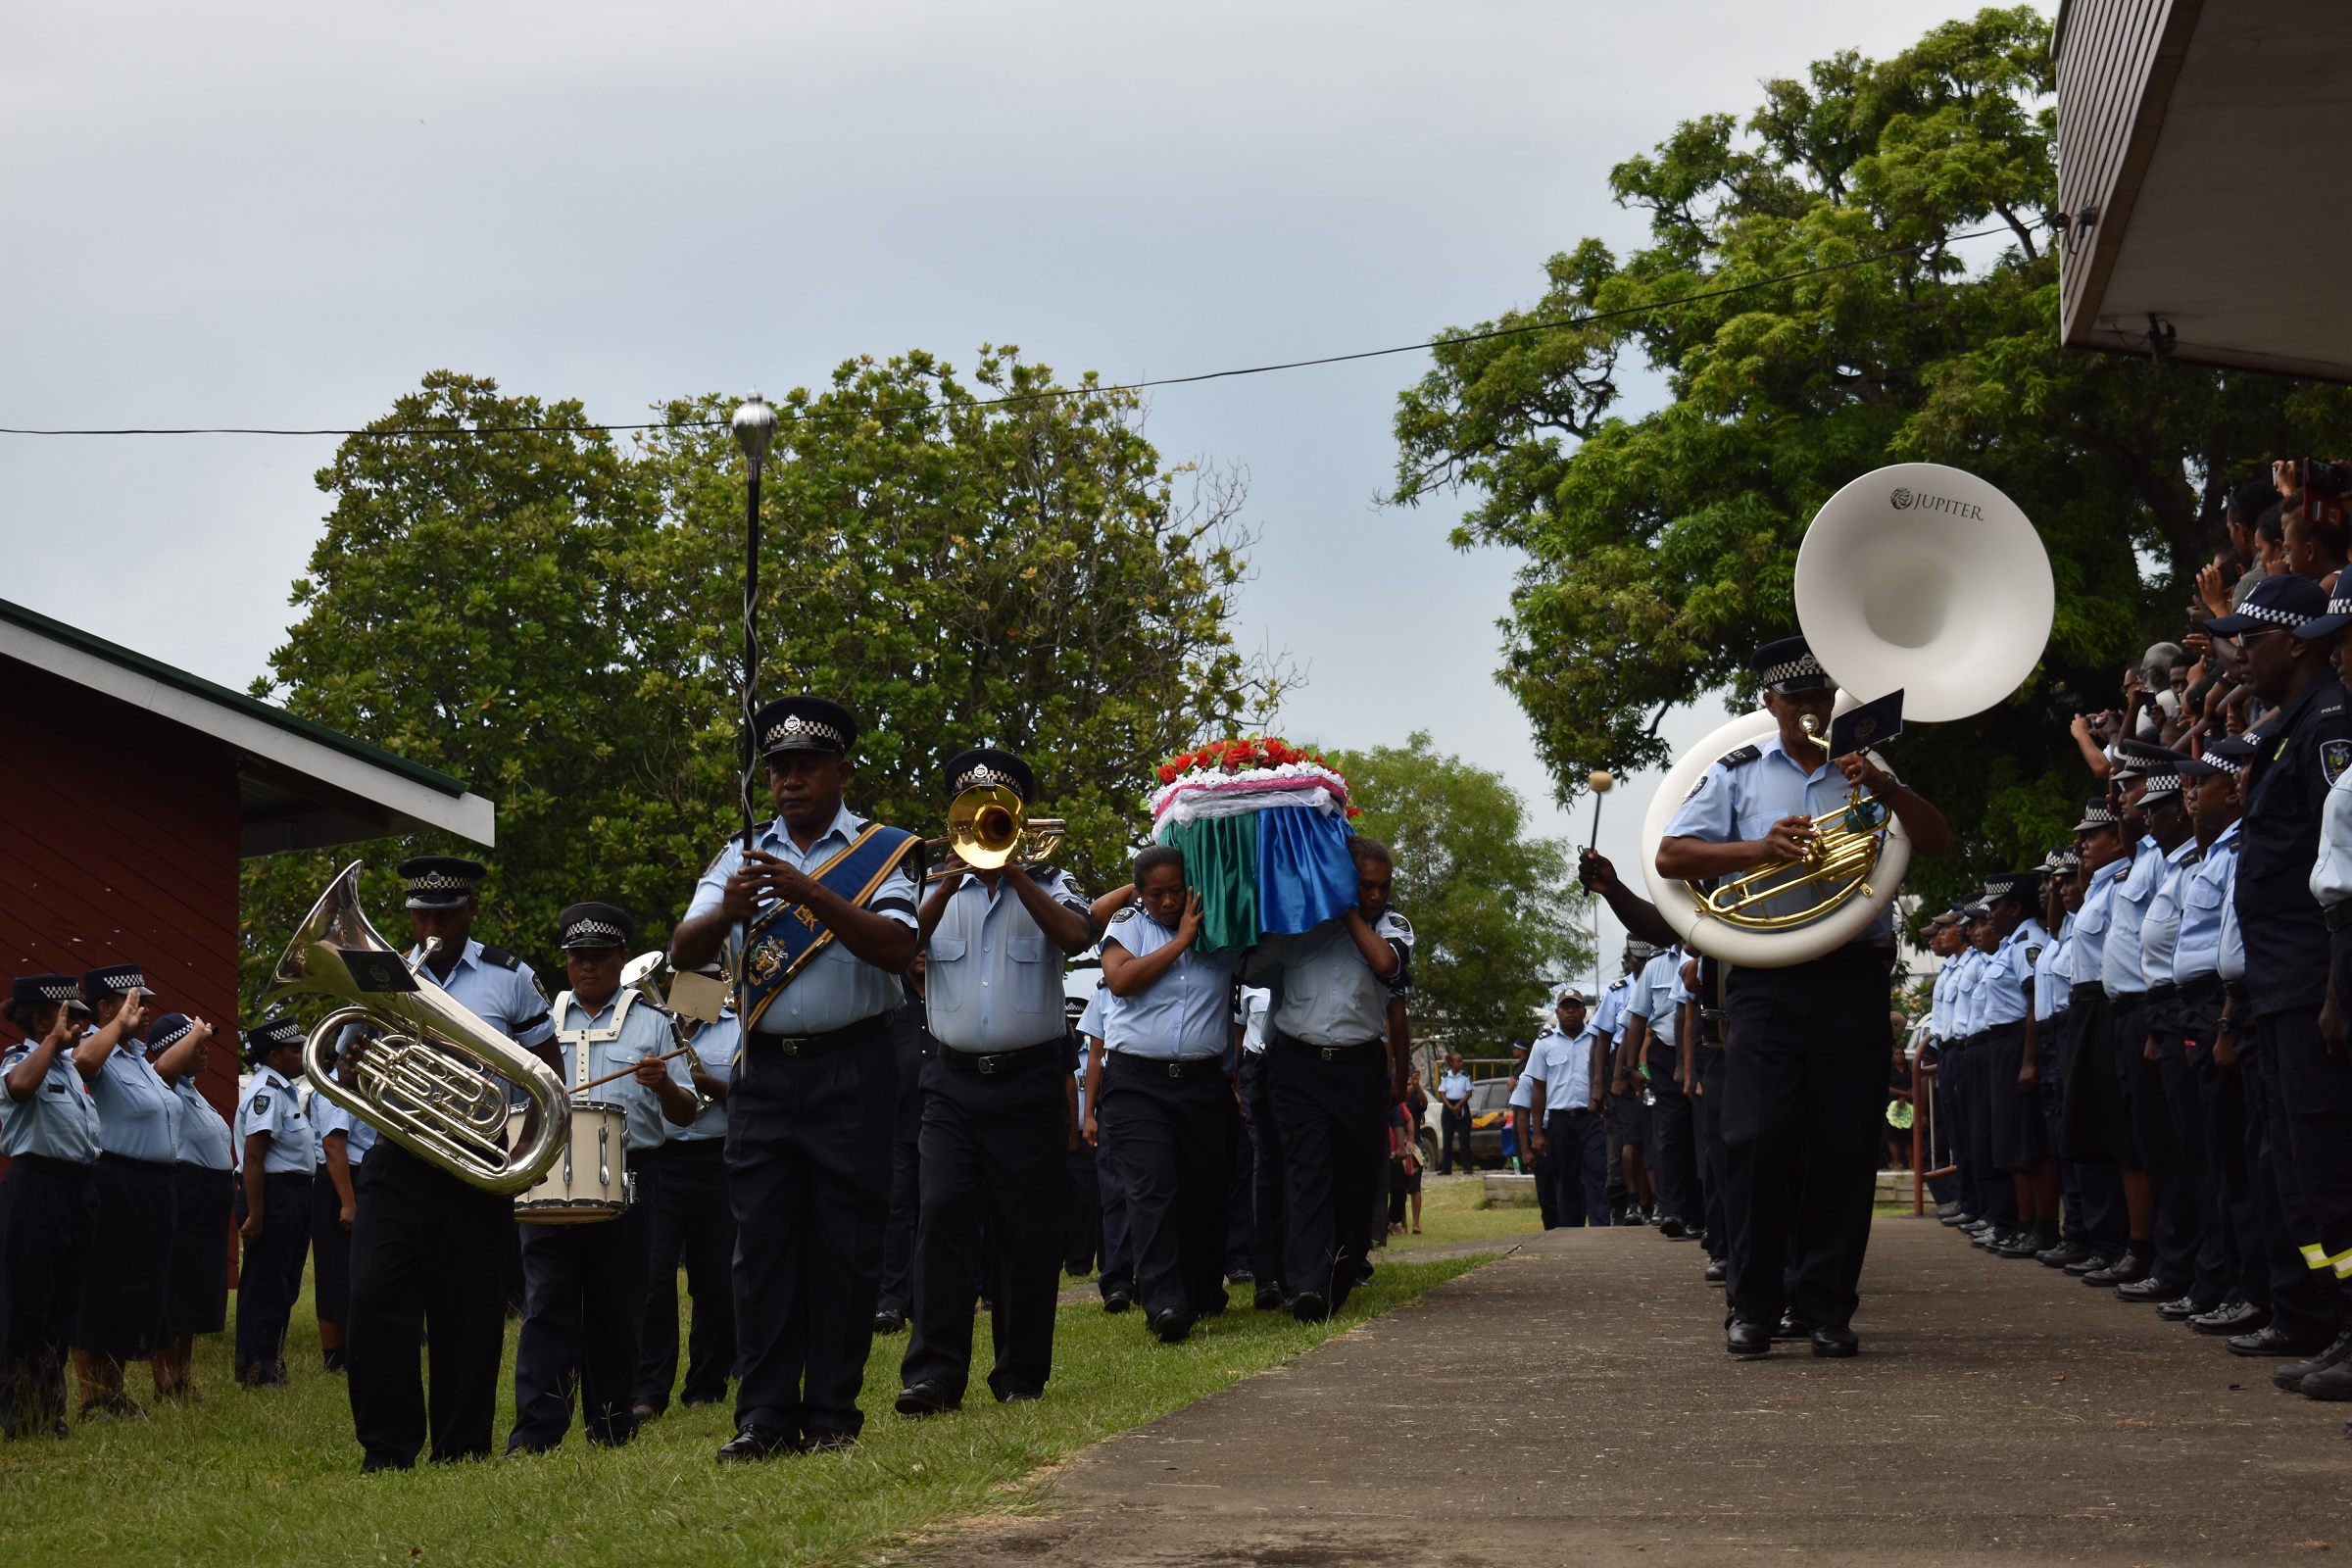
(120, 845)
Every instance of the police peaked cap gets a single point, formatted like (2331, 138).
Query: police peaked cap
(2284, 601)
(1789, 665)
(804, 725)
(39, 989)
(984, 765)
(2096, 814)
(441, 881)
(274, 1033)
(169, 1030)
(112, 980)
(595, 925)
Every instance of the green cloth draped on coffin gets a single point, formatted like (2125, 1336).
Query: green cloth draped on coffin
(1220, 860)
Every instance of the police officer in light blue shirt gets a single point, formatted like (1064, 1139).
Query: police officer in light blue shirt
(2017, 1144)
(1653, 1011)
(1566, 1117)
(1000, 1110)
(204, 1194)
(49, 1130)
(813, 1099)
(585, 1284)
(2097, 1127)
(342, 1141)
(693, 1228)
(276, 1159)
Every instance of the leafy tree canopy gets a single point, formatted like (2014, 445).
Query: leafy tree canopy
(1491, 905)
(556, 620)
(1660, 549)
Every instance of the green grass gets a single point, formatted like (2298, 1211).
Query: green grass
(1452, 1209)
(272, 1477)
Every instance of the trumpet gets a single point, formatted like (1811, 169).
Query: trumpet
(434, 1077)
(989, 827)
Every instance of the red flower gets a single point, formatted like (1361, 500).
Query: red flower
(1167, 774)
(1353, 812)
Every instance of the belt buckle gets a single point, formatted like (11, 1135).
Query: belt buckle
(1328, 1053)
(987, 1066)
(1175, 1069)
(790, 1045)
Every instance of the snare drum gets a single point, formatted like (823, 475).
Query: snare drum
(590, 1179)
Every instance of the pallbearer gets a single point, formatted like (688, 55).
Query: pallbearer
(584, 1282)
(999, 1112)
(276, 1163)
(1805, 1075)
(822, 911)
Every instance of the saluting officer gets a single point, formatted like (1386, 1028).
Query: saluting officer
(1166, 1094)
(1328, 1077)
(121, 1316)
(428, 1250)
(276, 1159)
(584, 1285)
(49, 1132)
(1805, 1079)
(694, 1226)
(999, 1112)
(203, 1176)
(824, 912)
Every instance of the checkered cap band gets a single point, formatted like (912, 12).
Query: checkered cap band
(57, 988)
(2228, 764)
(793, 728)
(271, 1036)
(980, 775)
(2272, 614)
(440, 882)
(1791, 669)
(592, 932)
(116, 980)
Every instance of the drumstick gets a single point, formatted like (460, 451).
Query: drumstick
(630, 1068)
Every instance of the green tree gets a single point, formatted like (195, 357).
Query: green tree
(556, 620)
(1660, 550)
(1492, 907)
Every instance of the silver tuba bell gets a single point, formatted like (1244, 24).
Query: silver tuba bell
(434, 1078)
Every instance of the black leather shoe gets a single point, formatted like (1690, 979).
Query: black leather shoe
(1835, 1345)
(2231, 1317)
(1948, 1212)
(2180, 1310)
(1269, 1298)
(1957, 1218)
(1172, 1326)
(2291, 1375)
(1793, 1327)
(1716, 1272)
(2268, 1343)
(756, 1442)
(2148, 1288)
(2096, 1262)
(889, 1322)
(1117, 1301)
(2063, 1254)
(1741, 1338)
(2023, 1245)
(1020, 1396)
(2331, 1383)
(1308, 1307)
(2123, 1271)
(926, 1398)
(1671, 1227)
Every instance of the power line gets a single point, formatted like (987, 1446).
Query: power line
(1455, 341)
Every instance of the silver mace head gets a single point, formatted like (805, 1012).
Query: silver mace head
(755, 427)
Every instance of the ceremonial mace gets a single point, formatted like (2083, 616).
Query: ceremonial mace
(1602, 781)
(755, 428)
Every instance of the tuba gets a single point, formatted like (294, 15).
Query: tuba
(434, 1079)
(989, 827)
(1918, 578)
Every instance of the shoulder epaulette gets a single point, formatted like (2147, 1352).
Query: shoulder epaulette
(501, 957)
(1740, 758)
(1407, 925)
(1127, 913)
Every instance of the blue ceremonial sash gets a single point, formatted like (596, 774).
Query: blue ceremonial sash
(785, 936)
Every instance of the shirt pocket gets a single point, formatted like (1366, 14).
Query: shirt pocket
(1025, 974)
(944, 980)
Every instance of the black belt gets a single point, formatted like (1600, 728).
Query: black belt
(73, 1171)
(1177, 1067)
(2125, 999)
(2086, 990)
(1580, 1110)
(2337, 915)
(151, 1167)
(989, 1064)
(832, 1040)
(300, 1178)
(2199, 988)
(2164, 992)
(1333, 1053)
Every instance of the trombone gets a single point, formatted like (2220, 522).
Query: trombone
(989, 827)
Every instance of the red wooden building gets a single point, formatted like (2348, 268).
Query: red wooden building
(133, 792)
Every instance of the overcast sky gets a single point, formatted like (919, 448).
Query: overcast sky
(286, 215)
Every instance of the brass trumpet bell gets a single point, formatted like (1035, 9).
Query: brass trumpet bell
(989, 828)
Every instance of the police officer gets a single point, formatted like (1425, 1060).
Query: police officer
(2096, 1125)
(2019, 1142)
(822, 911)
(2286, 909)
(1629, 1106)
(1653, 1025)
(49, 1132)
(1564, 1068)
(428, 1250)
(343, 1141)
(205, 1183)
(693, 1227)
(121, 1316)
(999, 1112)
(1165, 1095)
(1983, 1199)
(1328, 1078)
(275, 1162)
(1806, 1080)
(1453, 1091)
(584, 1286)
(911, 1042)
(1953, 1203)
(1114, 1282)
(2191, 1273)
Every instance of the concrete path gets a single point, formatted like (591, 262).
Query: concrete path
(1572, 1403)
